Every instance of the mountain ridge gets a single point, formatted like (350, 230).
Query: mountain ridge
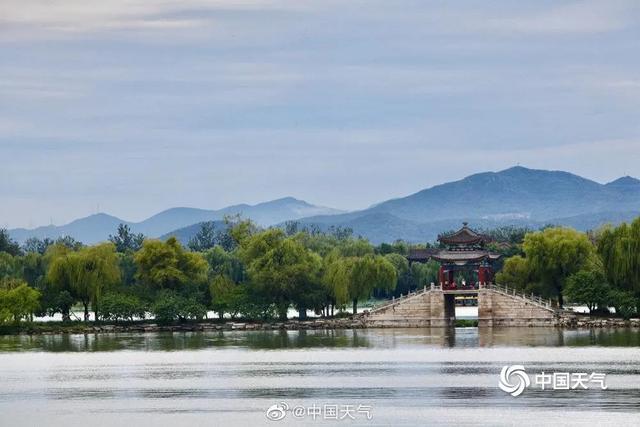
(97, 227)
(514, 196)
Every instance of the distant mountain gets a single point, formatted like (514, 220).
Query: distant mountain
(515, 196)
(625, 184)
(91, 229)
(96, 228)
(515, 193)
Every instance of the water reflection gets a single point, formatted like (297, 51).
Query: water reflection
(176, 341)
(409, 376)
(281, 339)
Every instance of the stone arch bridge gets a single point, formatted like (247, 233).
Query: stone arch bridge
(435, 307)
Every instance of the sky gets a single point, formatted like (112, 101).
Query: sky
(133, 106)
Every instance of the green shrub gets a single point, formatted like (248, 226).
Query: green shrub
(169, 307)
(17, 301)
(121, 307)
(589, 288)
(624, 302)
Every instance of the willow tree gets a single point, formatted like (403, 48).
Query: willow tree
(85, 274)
(556, 253)
(355, 278)
(168, 266)
(516, 272)
(404, 282)
(619, 249)
(283, 271)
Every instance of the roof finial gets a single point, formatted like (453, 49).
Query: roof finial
(464, 224)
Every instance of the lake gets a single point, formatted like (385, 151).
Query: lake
(394, 376)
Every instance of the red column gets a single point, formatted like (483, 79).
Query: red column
(441, 275)
(481, 275)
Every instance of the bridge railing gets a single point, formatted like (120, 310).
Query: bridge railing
(547, 303)
(395, 300)
(535, 299)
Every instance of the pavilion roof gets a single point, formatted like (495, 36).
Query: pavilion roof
(464, 237)
(451, 256)
(421, 255)
(464, 257)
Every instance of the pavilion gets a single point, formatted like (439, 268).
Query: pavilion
(462, 250)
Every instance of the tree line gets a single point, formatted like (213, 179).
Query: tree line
(238, 270)
(242, 271)
(599, 269)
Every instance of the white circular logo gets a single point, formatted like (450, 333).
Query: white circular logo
(513, 380)
(277, 412)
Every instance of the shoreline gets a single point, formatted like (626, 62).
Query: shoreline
(55, 328)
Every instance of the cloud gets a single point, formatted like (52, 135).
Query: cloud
(578, 17)
(43, 18)
(127, 103)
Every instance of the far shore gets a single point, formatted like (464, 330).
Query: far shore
(209, 325)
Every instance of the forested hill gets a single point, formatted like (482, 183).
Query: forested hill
(515, 196)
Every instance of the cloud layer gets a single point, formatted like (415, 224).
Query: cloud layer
(133, 106)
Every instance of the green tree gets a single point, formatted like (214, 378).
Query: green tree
(238, 230)
(125, 240)
(368, 273)
(56, 296)
(7, 244)
(205, 238)
(516, 273)
(354, 278)
(355, 248)
(17, 301)
(624, 302)
(9, 266)
(588, 287)
(423, 274)
(85, 274)
(178, 277)
(404, 282)
(556, 253)
(170, 306)
(128, 269)
(397, 247)
(33, 269)
(119, 306)
(619, 249)
(226, 296)
(38, 246)
(282, 270)
(167, 265)
(224, 263)
(69, 242)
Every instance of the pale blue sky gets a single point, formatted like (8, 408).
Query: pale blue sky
(137, 106)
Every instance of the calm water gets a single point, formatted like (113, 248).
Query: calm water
(407, 377)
